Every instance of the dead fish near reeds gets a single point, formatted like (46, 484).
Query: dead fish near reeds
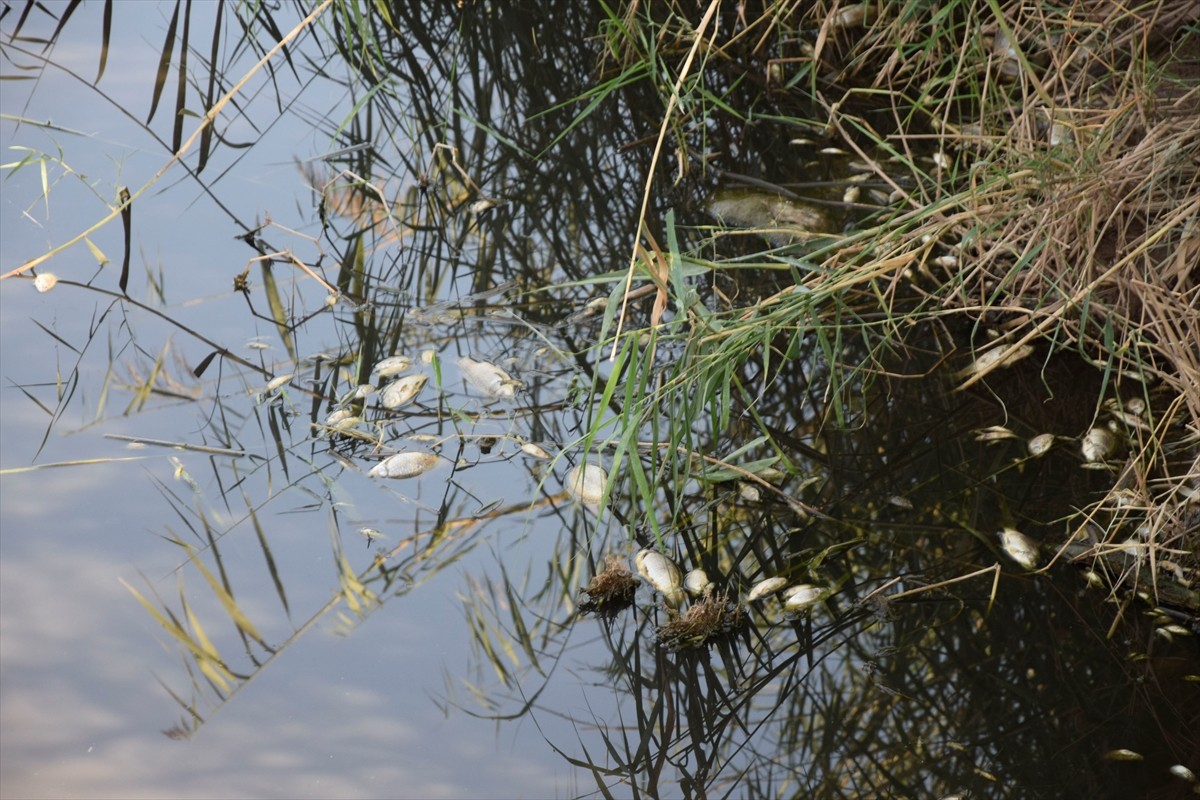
(780, 219)
(587, 483)
(1040, 445)
(998, 357)
(341, 421)
(661, 573)
(402, 391)
(1019, 547)
(404, 465)
(696, 582)
(488, 378)
(1097, 445)
(392, 366)
(765, 587)
(853, 16)
(803, 597)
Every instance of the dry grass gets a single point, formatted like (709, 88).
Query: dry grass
(1063, 209)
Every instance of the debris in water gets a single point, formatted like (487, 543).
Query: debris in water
(45, 281)
(705, 621)
(610, 590)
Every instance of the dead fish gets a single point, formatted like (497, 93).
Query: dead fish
(341, 420)
(404, 465)
(803, 596)
(586, 483)
(488, 378)
(279, 382)
(994, 433)
(765, 587)
(1040, 445)
(999, 356)
(533, 451)
(393, 366)
(1019, 547)
(696, 582)
(1097, 444)
(661, 573)
(401, 392)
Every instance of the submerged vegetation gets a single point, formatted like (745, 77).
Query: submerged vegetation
(911, 302)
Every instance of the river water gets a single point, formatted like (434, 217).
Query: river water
(207, 617)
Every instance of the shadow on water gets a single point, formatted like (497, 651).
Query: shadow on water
(475, 205)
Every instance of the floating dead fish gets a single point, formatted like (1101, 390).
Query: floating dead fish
(765, 587)
(994, 433)
(661, 573)
(1019, 547)
(785, 219)
(1040, 445)
(484, 204)
(401, 392)
(1180, 771)
(803, 596)
(370, 534)
(279, 381)
(851, 194)
(45, 281)
(342, 420)
(749, 492)
(900, 502)
(998, 357)
(586, 483)
(1129, 419)
(488, 378)
(854, 16)
(1122, 754)
(696, 582)
(404, 465)
(393, 366)
(533, 451)
(1061, 134)
(941, 160)
(1097, 444)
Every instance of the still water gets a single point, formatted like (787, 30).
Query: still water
(342, 635)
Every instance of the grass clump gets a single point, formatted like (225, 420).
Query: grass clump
(1024, 177)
